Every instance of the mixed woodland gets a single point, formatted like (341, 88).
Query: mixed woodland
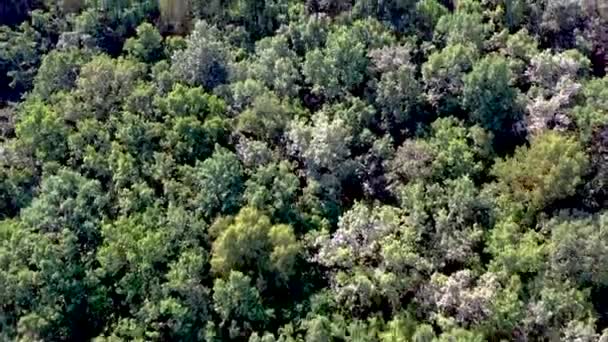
(304, 170)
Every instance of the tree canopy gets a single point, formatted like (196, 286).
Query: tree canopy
(303, 170)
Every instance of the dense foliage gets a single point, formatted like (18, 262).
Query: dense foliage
(290, 170)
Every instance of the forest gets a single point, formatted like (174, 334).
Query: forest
(304, 170)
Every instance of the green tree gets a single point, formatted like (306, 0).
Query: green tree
(593, 112)
(90, 147)
(147, 45)
(217, 184)
(516, 249)
(318, 329)
(536, 176)
(520, 47)
(42, 132)
(577, 248)
(274, 188)
(450, 139)
(102, 85)
(450, 152)
(59, 71)
(136, 254)
(553, 306)
(204, 62)
(186, 281)
(339, 67)
(17, 181)
(267, 117)
(250, 243)
(68, 201)
(276, 65)
(21, 50)
(424, 333)
(450, 217)
(463, 28)
(397, 90)
(428, 14)
(235, 300)
(401, 327)
(132, 249)
(488, 94)
(443, 76)
(193, 123)
(46, 292)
